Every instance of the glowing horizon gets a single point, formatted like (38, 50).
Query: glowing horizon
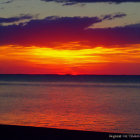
(69, 61)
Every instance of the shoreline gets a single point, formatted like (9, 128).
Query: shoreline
(14, 132)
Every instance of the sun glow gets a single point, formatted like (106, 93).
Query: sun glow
(45, 55)
(68, 60)
(69, 56)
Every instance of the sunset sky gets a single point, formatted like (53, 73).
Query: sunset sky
(70, 37)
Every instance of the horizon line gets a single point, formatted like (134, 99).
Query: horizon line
(78, 74)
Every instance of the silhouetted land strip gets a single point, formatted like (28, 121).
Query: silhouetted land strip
(70, 78)
(12, 132)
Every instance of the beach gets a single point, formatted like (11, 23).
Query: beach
(13, 132)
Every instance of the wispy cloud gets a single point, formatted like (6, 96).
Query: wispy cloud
(6, 1)
(15, 19)
(113, 16)
(71, 2)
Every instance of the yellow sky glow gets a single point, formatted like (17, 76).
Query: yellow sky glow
(46, 55)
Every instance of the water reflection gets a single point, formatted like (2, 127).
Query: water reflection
(71, 107)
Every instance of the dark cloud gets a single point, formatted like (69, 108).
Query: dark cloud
(41, 32)
(15, 19)
(68, 29)
(6, 2)
(115, 36)
(71, 2)
(110, 17)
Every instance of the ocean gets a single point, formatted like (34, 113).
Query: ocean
(103, 103)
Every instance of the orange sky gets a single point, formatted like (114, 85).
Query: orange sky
(82, 60)
(60, 37)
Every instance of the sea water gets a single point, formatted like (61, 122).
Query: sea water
(103, 106)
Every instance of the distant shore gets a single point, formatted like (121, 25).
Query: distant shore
(70, 78)
(13, 132)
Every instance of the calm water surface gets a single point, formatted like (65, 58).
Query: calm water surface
(72, 105)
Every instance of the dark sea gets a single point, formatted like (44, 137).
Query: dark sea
(101, 103)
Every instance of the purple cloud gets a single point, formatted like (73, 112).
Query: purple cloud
(15, 19)
(68, 29)
(71, 2)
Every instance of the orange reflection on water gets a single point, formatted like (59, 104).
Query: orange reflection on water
(74, 106)
(72, 121)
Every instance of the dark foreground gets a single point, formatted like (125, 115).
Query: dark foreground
(11, 132)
